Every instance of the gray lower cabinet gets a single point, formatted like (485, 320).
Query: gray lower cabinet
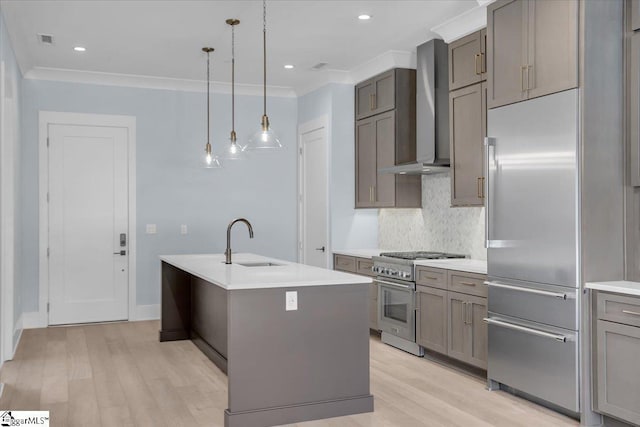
(451, 307)
(467, 330)
(467, 130)
(361, 266)
(617, 337)
(431, 324)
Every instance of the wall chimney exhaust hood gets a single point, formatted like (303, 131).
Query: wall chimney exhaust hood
(432, 112)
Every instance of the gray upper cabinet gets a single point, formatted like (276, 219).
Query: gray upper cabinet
(506, 52)
(376, 95)
(467, 129)
(483, 54)
(431, 326)
(532, 49)
(635, 15)
(466, 61)
(634, 110)
(553, 46)
(385, 139)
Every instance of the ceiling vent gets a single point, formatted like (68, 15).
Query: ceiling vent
(319, 66)
(45, 38)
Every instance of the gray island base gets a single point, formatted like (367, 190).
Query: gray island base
(283, 366)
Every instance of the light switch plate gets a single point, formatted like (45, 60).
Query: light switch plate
(183, 229)
(291, 300)
(151, 229)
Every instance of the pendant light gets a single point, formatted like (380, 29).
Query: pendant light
(233, 150)
(265, 138)
(211, 161)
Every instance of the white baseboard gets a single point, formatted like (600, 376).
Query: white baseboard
(17, 329)
(33, 319)
(147, 312)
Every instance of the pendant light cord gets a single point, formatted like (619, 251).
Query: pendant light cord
(233, 74)
(264, 50)
(208, 113)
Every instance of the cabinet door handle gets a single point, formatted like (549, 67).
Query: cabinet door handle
(479, 187)
(478, 64)
(375, 102)
(467, 283)
(633, 313)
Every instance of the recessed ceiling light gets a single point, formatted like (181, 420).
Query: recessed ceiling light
(364, 17)
(79, 49)
(289, 67)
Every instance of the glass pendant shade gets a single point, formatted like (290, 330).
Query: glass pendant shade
(211, 161)
(233, 151)
(265, 138)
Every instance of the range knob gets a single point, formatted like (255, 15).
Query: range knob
(395, 273)
(386, 271)
(404, 275)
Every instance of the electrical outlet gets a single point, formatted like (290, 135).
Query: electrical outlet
(183, 229)
(151, 229)
(291, 300)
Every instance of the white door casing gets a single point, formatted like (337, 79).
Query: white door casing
(314, 245)
(91, 202)
(87, 215)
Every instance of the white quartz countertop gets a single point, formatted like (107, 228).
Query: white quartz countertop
(211, 267)
(360, 253)
(460, 264)
(618, 287)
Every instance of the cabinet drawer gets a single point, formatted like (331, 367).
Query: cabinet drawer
(363, 266)
(619, 308)
(344, 263)
(468, 283)
(431, 277)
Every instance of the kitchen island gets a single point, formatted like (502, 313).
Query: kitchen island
(293, 339)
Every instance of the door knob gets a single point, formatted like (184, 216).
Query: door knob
(121, 253)
(320, 249)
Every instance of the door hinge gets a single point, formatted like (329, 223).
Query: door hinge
(47, 197)
(300, 151)
(47, 142)
(48, 251)
(300, 244)
(47, 307)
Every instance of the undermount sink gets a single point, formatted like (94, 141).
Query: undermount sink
(258, 264)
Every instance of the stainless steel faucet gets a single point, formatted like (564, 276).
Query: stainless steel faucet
(228, 251)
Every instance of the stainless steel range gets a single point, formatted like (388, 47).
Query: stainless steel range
(395, 276)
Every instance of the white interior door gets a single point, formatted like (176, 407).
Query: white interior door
(88, 220)
(314, 197)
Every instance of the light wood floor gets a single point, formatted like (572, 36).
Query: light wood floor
(119, 374)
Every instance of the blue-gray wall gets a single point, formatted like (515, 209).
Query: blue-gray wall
(350, 228)
(172, 188)
(12, 101)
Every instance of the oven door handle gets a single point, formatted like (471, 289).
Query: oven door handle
(397, 285)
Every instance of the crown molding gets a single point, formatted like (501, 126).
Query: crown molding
(464, 24)
(322, 78)
(150, 82)
(383, 62)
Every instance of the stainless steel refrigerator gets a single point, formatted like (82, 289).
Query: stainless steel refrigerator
(532, 248)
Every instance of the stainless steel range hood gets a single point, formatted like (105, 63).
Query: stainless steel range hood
(432, 112)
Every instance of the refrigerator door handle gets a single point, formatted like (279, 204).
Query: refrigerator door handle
(527, 290)
(557, 337)
(489, 142)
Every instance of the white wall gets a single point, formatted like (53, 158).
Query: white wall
(10, 213)
(435, 227)
(350, 228)
(172, 188)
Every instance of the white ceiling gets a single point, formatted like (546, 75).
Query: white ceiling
(164, 38)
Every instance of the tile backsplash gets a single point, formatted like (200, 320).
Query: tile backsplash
(437, 226)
